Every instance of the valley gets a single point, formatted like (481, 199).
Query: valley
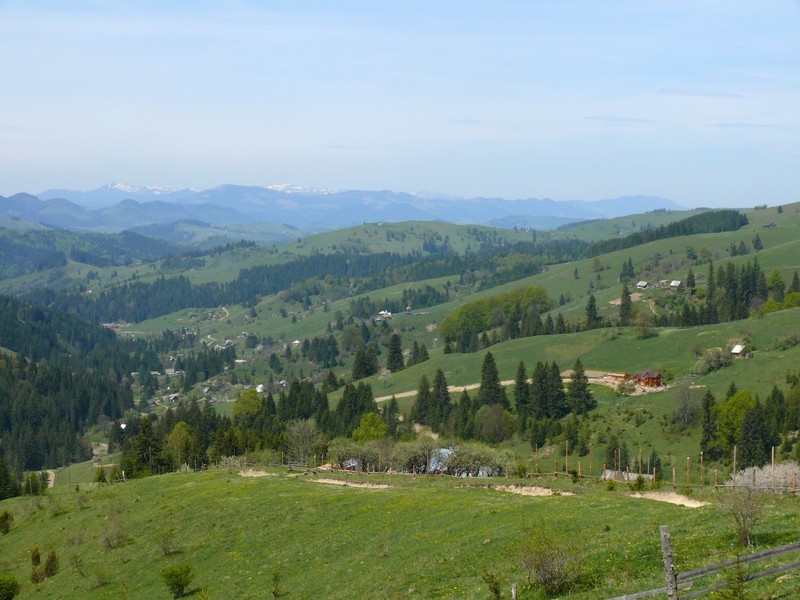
(371, 348)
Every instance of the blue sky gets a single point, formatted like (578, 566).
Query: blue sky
(695, 101)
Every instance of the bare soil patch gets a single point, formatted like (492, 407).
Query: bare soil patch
(671, 498)
(531, 490)
(371, 486)
(635, 297)
(254, 473)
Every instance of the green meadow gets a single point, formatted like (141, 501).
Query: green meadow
(418, 537)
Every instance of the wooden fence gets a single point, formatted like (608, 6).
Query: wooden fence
(676, 582)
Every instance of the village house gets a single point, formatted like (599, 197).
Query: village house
(648, 378)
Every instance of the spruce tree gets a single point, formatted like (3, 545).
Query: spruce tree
(537, 391)
(578, 394)
(490, 391)
(423, 354)
(522, 395)
(592, 317)
(754, 443)
(440, 405)
(422, 406)
(794, 286)
(394, 358)
(556, 397)
(625, 306)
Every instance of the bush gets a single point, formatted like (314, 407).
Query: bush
(549, 560)
(36, 556)
(177, 579)
(611, 485)
(6, 519)
(100, 475)
(51, 564)
(9, 586)
(166, 541)
(639, 484)
(745, 508)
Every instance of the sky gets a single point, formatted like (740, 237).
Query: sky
(695, 101)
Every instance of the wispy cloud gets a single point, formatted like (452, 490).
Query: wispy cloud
(618, 121)
(703, 93)
(467, 122)
(747, 125)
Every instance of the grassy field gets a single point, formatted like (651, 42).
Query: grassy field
(417, 538)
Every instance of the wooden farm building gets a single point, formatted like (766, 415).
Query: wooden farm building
(649, 378)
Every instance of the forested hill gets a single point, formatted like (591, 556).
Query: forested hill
(65, 374)
(136, 301)
(42, 333)
(36, 250)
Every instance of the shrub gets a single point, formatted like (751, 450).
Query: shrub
(639, 484)
(745, 509)
(611, 485)
(166, 541)
(549, 560)
(51, 564)
(493, 582)
(100, 475)
(9, 586)
(36, 556)
(787, 341)
(177, 579)
(6, 519)
(37, 575)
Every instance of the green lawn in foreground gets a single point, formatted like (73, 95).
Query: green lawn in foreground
(426, 537)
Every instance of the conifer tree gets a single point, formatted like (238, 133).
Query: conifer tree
(422, 406)
(557, 405)
(423, 353)
(578, 394)
(440, 402)
(625, 306)
(522, 395)
(394, 357)
(592, 317)
(794, 286)
(491, 391)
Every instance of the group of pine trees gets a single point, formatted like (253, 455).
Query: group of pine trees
(742, 420)
(489, 415)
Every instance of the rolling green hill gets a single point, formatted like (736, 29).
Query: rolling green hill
(245, 537)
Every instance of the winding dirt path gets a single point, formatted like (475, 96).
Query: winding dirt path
(594, 377)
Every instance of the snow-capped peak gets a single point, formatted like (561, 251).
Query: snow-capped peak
(288, 188)
(139, 189)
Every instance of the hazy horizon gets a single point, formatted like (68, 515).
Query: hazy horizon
(695, 103)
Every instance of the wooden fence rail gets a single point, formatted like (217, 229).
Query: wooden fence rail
(682, 581)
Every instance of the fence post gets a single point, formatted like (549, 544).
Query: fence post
(669, 565)
(773, 469)
(513, 591)
(702, 472)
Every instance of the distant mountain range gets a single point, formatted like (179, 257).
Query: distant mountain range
(117, 207)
